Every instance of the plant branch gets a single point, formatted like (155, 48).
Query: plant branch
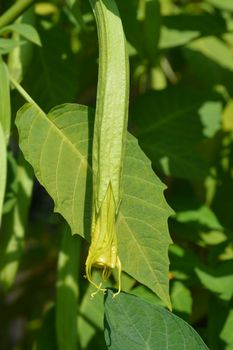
(23, 93)
(14, 12)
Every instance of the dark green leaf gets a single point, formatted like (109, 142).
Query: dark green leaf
(219, 279)
(212, 61)
(46, 338)
(132, 323)
(52, 78)
(172, 124)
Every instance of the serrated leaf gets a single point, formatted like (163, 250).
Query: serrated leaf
(25, 30)
(142, 222)
(169, 132)
(58, 147)
(90, 316)
(62, 142)
(132, 323)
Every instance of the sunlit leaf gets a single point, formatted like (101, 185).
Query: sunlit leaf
(58, 146)
(25, 30)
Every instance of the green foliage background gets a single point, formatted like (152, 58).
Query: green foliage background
(181, 112)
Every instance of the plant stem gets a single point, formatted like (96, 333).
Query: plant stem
(14, 12)
(23, 93)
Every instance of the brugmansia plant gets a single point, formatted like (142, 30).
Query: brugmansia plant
(112, 291)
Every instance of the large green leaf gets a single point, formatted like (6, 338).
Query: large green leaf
(58, 147)
(132, 323)
(52, 69)
(172, 124)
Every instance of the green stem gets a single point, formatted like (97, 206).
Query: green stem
(14, 12)
(23, 93)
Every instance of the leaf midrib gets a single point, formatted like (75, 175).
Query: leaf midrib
(63, 136)
(122, 217)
